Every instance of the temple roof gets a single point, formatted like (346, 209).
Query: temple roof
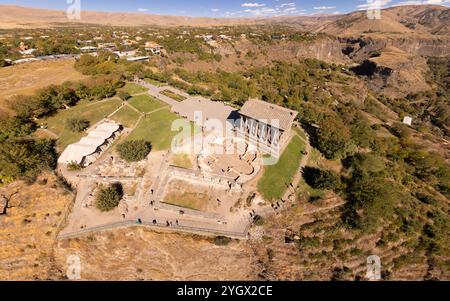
(269, 113)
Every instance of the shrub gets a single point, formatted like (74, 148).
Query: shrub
(73, 166)
(124, 96)
(135, 150)
(109, 197)
(78, 124)
(222, 240)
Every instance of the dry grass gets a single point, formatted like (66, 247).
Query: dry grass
(138, 253)
(26, 78)
(191, 200)
(182, 160)
(28, 231)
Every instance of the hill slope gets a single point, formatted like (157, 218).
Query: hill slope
(12, 16)
(410, 20)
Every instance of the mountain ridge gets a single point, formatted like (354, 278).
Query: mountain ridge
(408, 19)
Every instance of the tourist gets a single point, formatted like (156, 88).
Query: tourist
(167, 224)
(176, 222)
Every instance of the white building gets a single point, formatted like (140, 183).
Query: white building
(153, 48)
(122, 54)
(407, 120)
(27, 51)
(87, 49)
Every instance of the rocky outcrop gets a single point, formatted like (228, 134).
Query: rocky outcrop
(360, 49)
(394, 72)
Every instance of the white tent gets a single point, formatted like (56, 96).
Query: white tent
(76, 153)
(88, 145)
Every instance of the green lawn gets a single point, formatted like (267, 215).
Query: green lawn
(92, 111)
(275, 179)
(145, 103)
(126, 117)
(156, 128)
(133, 88)
(300, 132)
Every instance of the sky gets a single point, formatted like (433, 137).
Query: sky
(224, 8)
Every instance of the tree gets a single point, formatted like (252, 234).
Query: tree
(321, 179)
(14, 127)
(134, 150)
(25, 158)
(333, 138)
(371, 198)
(77, 124)
(109, 197)
(124, 95)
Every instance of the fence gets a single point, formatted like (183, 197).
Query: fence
(130, 223)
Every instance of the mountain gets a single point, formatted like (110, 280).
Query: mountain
(408, 20)
(12, 16)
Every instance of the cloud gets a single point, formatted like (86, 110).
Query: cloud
(261, 10)
(324, 7)
(374, 4)
(142, 9)
(215, 9)
(422, 2)
(265, 11)
(252, 4)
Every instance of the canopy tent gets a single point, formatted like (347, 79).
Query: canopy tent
(88, 145)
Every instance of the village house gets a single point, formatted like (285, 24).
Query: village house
(128, 53)
(107, 46)
(88, 49)
(27, 51)
(207, 37)
(153, 48)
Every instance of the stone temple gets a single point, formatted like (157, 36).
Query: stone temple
(266, 125)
